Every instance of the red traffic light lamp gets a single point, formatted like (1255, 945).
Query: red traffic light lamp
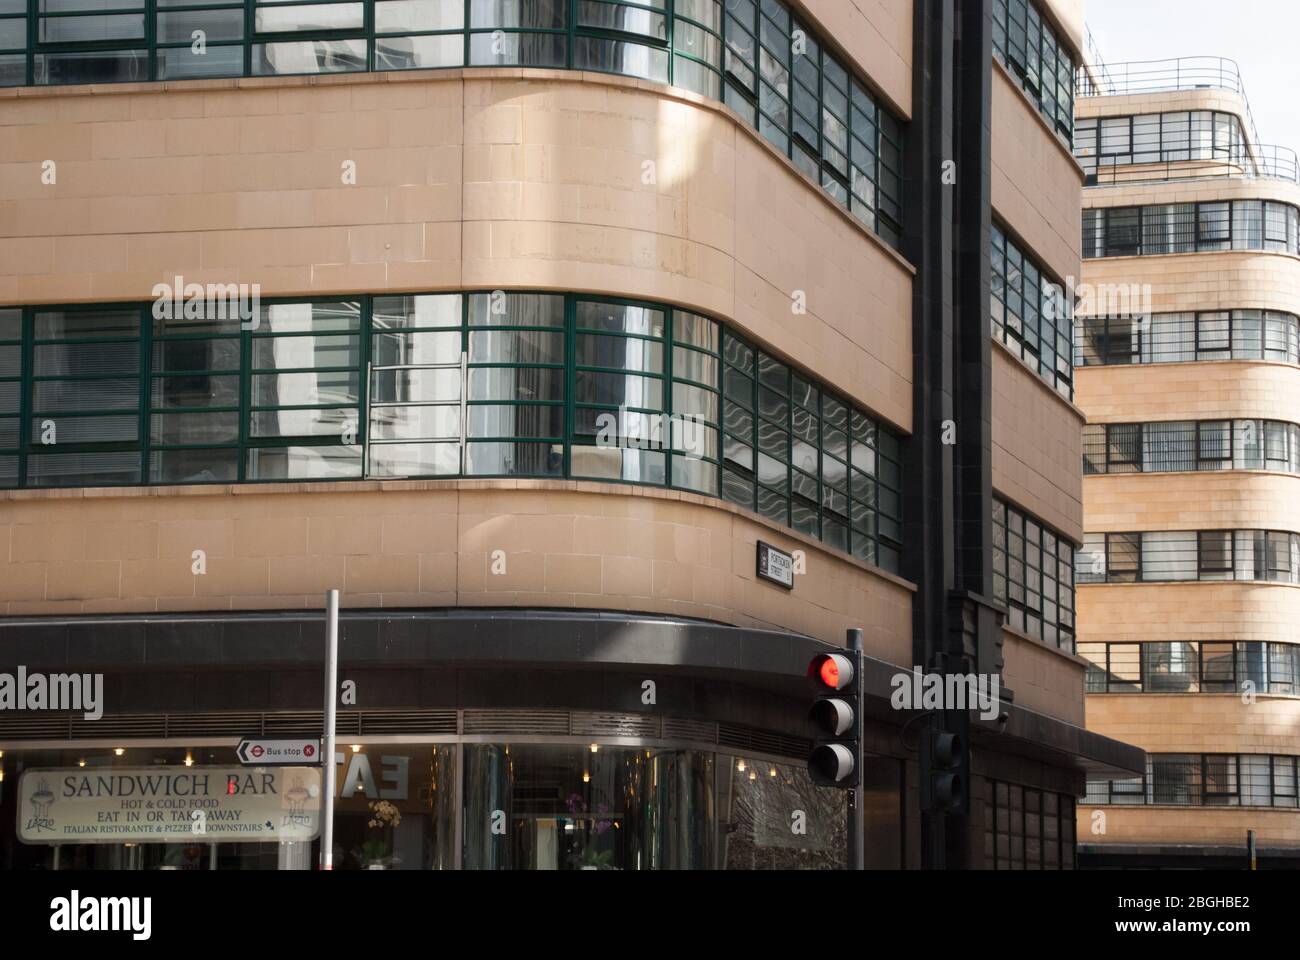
(831, 670)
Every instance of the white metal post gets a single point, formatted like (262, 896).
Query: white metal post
(327, 742)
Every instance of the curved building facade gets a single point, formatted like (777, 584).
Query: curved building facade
(1188, 369)
(526, 326)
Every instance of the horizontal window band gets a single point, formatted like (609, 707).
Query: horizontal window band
(361, 420)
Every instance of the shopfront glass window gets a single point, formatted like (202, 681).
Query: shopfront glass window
(569, 807)
(84, 808)
(775, 818)
(395, 807)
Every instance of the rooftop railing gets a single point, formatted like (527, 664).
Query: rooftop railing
(1096, 65)
(1164, 76)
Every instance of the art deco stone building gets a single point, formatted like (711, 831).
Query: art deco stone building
(1190, 570)
(480, 231)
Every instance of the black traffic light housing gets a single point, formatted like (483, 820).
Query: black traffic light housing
(944, 789)
(836, 714)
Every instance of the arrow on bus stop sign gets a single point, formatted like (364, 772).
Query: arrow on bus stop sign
(278, 752)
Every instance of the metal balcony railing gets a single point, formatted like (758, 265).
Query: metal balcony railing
(1264, 161)
(1275, 163)
(1164, 76)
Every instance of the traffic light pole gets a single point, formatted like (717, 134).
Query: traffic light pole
(856, 853)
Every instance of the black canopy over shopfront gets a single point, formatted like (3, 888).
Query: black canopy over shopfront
(468, 738)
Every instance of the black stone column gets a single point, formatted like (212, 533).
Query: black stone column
(948, 506)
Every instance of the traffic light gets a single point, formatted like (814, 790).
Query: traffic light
(837, 716)
(944, 790)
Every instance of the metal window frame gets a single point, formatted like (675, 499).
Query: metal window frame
(1137, 564)
(29, 381)
(1283, 682)
(1006, 23)
(1200, 242)
(1113, 459)
(1053, 328)
(1202, 430)
(1003, 511)
(1064, 815)
(1202, 317)
(876, 541)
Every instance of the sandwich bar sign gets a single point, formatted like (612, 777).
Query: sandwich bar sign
(169, 805)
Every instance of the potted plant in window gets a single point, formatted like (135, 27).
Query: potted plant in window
(375, 853)
(588, 857)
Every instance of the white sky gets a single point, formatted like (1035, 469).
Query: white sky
(1263, 36)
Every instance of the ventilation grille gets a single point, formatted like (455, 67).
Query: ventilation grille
(762, 741)
(704, 730)
(553, 722)
(200, 725)
(614, 725)
(409, 721)
(307, 723)
(193, 725)
(36, 727)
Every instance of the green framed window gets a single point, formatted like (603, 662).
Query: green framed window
(308, 36)
(416, 398)
(515, 395)
(698, 46)
(484, 383)
(801, 456)
(90, 41)
(199, 38)
(531, 33)
(11, 369)
(619, 378)
(85, 397)
(625, 38)
(695, 402)
(303, 392)
(13, 43)
(419, 34)
(194, 401)
(805, 99)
